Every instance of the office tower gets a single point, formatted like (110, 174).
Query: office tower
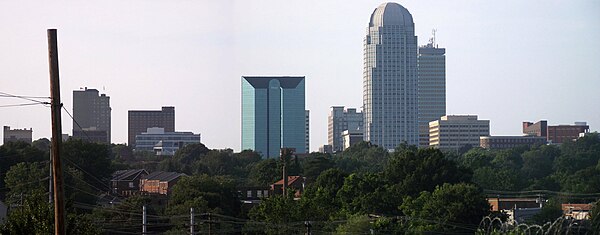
(91, 111)
(273, 114)
(453, 132)
(431, 65)
(390, 88)
(140, 120)
(17, 135)
(340, 120)
(307, 130)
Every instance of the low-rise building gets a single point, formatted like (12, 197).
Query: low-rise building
(453, 132)
(555, 134)
(295, 183)
(160, 182)
(164, 143)
(326, 149)
(17, 135)
(252, 195)
(127, 182)
(507, 142)
(500, 204)
(351, 137)
(577, 211)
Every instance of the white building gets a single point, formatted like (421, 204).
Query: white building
(432, 87)
(351, 137)
(390, 87)
(340, 120)
(164, 143)
(455, 131)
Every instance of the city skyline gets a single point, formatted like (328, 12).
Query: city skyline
(505, 69)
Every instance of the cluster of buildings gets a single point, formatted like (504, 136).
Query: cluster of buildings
(404, 98)
(520, 210)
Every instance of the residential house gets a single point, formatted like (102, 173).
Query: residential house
(127, 182)
(295, 183)
(160, 182)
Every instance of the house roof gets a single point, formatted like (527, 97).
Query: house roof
(163, 175)
(127, 174)
(291, 180)
(577, 207)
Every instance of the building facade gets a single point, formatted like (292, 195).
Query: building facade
(17, 135)
(307, 130)
(390, 104)
(351, 137)
(273, 114)
(160, 182)
(453, 132)
(140, 120)
(340, 120)
(555, 134)
(91, 134)
(91, 111)
(431, 64)
(155, 139)
(507, 142)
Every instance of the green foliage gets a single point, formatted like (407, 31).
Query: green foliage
(91, 158)
(367, 193)
(313, 166)
(412, 171)
(449, 208)
(24, 178)
(36, 216)
(356, 224)
(215, 194)
(277, 211)
(362, 157)
(550, 212)
(264, 173)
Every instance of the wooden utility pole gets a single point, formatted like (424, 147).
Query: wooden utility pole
(56, 106)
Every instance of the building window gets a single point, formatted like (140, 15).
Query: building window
(248, 194)
(131, 185)
(259, 193)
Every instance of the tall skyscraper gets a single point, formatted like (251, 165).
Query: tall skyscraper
(91, 111)
(340, 120)
(390, 104)
(140, 120)
(307, 130)
(273, 114)
(431, 63)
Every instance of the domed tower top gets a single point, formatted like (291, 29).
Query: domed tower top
(390, 13)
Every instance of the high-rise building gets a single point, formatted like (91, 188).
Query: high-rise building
(17, 135)
(453, 132)
(91, 111)
(390, 104)
(140, 120)
(273, 114)
(431, 64)
(340, 120)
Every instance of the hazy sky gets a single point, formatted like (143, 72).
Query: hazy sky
(507, 61)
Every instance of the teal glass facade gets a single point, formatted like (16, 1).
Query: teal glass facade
(273, 114)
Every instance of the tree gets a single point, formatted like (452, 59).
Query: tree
(25, 178)
(362, 157)
(356, 224)
(215, 194)
(538, 162)
(93, 159)
(313, 166)
(449, 208)
(367, 193)
(498, 179)
(322, 194)
(412, 171)
(264, 173)
(277, 212)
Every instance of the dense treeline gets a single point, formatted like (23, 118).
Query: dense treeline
(361, 190)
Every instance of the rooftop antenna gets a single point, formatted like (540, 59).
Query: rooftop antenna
(432, 39)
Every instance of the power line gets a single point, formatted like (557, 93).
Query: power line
(20, 105)
(30, 98)
(77, 123)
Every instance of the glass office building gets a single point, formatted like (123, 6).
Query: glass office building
(273, 114)
(390, 105)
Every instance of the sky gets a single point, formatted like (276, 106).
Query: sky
(507, 61)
